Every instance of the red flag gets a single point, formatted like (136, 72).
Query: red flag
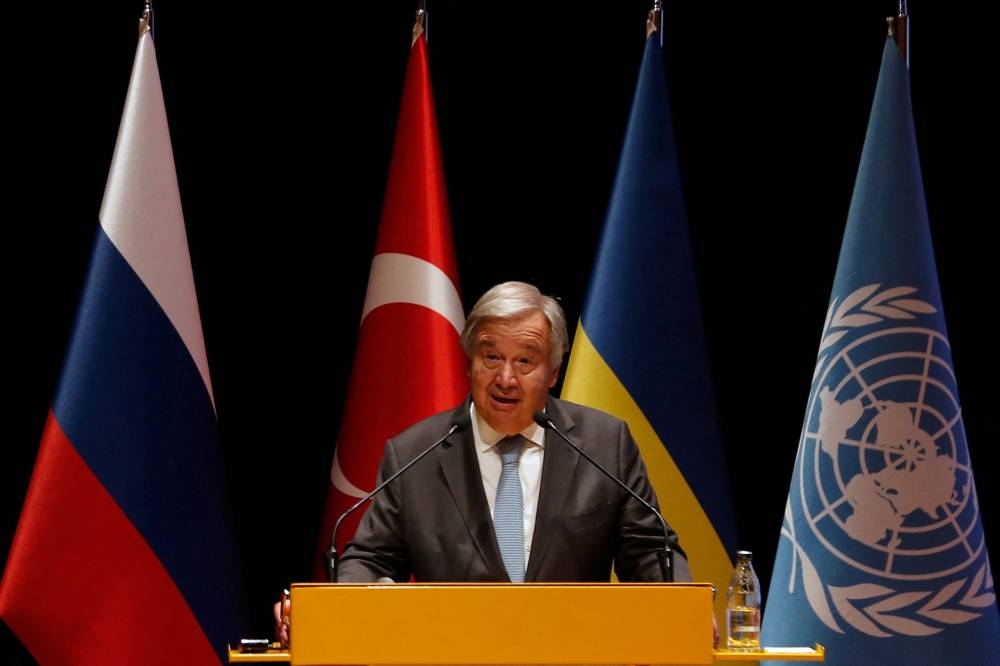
(409, 363)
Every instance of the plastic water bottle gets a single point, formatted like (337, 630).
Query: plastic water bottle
(743, 605)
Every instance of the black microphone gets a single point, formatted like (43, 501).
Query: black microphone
(457, 425)
(665, 556)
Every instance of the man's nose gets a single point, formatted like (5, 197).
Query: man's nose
(506, 377)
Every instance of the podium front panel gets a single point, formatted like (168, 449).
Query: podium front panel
(531, 623)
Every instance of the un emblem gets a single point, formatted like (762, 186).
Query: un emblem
(883, 483)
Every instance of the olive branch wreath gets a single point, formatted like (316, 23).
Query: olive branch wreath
(866, 606)
(866, 306)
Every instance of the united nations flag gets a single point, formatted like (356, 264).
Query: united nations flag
(882, 557)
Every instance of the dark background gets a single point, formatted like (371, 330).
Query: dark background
(282, 118)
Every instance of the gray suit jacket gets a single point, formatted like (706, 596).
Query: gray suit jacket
(434, 523)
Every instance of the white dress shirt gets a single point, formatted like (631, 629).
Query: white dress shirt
(529, 469)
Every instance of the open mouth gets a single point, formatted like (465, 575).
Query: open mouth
(504, 400)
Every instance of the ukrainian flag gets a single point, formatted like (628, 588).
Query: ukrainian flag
(639, 351)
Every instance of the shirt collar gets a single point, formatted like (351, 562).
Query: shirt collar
(486, 437)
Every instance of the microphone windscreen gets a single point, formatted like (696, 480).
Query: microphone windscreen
(461, 422)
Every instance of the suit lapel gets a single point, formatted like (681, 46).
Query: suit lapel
(460, 468)
(558, 470)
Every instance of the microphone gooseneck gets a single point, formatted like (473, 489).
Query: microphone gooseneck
(666, 555)
(332, 558)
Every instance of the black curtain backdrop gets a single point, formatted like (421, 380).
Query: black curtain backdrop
(282, 119)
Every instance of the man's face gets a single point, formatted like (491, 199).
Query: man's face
(510, 371)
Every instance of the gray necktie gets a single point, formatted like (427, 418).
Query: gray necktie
(508, 511)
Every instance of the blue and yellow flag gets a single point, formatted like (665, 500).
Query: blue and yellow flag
(882, 557)
(639, 350)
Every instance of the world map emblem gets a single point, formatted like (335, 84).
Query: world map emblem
(883, 486)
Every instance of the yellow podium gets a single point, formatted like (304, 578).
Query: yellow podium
(535, 623)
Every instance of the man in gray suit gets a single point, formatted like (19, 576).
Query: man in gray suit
(436, 522)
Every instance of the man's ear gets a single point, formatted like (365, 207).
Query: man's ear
(554, 377)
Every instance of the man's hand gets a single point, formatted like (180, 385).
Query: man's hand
(283, 619)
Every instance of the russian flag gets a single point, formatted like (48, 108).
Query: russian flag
(124, 553)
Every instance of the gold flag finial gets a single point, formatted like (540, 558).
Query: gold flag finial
(899, 30)
(903, 31)
(654, 20)
(146, 20)
(418, 24)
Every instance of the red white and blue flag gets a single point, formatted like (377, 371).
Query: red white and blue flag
(125, 536)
